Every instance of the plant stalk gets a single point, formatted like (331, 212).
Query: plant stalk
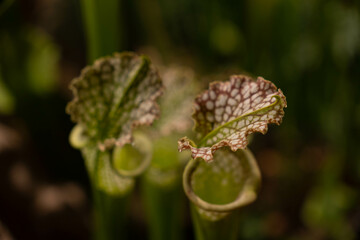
(226, 228)
(110, 215)
(162, 193)
(103, 31)
(164, 207)
(110, 194)
(103, 27)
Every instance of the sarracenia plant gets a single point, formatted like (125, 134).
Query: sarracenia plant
(162, 193)
(113, 97)
(227, 180)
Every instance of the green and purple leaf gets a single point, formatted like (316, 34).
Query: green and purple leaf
(113, 96)
(229, 111)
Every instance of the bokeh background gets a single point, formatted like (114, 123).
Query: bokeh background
(310, 164)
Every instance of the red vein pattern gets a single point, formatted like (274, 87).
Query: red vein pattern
(229, 111)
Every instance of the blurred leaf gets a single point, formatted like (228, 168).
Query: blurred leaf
(102, 40)
(42, 62)
(226, 38)
(345, 40)
(113, 96)
(181, 88)
(4, 5)
(326, 208)
(7, 101)
(29, 61)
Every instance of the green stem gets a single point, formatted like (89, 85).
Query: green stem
(161, 190)
(226, 228)
(164, 207)
(102, 25)
(103, 38)
(110, 213)
(110, 192)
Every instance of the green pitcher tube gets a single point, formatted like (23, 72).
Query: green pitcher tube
(218, 190)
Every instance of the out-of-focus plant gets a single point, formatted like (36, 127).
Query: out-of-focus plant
(325, 209)
(103, 27)
(311, 47)
(227, 180)
(112, 98)
(163, 197)
(28, 63)
(6, 99)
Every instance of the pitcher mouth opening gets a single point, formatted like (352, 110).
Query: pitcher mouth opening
(139, 154)
(247, 193)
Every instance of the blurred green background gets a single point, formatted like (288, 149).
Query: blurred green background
(310, 164)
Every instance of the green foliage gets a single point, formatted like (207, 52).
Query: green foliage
(113, 96)
(28, 66)
(6, 99)
(102, 40)
(161, 184)
(311, 48)
(325, 209)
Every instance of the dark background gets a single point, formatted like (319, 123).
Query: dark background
(310, 164)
